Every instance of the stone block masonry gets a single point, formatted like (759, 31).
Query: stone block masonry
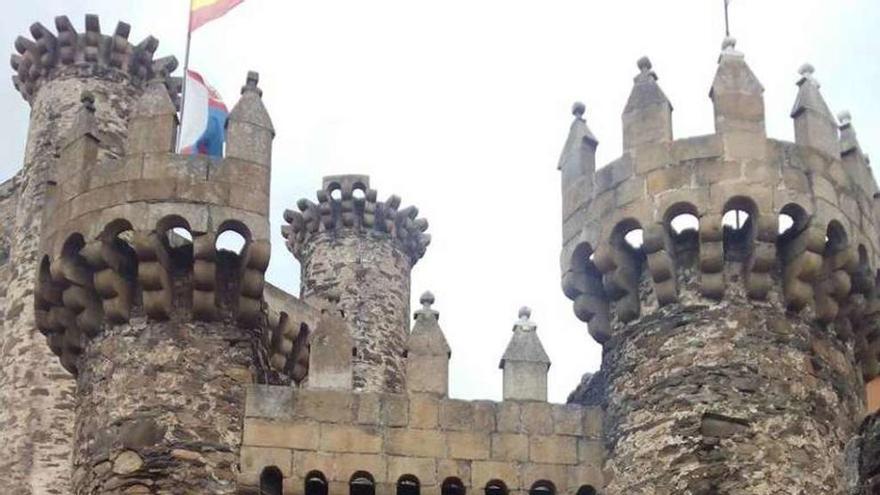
(389, 436)
(732, 281)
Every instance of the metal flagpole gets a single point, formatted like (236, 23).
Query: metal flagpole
(726, 18)
(186, 75)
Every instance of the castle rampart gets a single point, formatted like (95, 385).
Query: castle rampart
(327, 438)
(740, 326)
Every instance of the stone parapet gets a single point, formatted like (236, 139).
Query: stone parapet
(108, 248)
(421, 436)
(731, 281)
(820, 262)
(346, 202)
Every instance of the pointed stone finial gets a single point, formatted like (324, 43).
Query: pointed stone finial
(427, 352)
(525, 322)
(251, 84)
(738, 99)
(249, 129)
(647, 117)
(814, 125)
(330, 349)
(850, 149)
(578, 158)
(807, 70)
(427, 300)
(728, 44)
(525, 363)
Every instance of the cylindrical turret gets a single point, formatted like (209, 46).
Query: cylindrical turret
(362, 249)
(160, 331)
(730, 280)
(51, 72)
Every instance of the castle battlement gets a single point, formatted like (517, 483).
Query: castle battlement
(346, 203)
(723, 274)
(821, 261)
(49, 55)
(325, 437)
(106, 238)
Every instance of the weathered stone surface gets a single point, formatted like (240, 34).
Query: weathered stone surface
(727, 340)
(362, 250)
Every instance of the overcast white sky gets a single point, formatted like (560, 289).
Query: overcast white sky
(462, 106)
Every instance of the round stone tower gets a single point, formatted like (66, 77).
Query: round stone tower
(158, 323)
(51, 71)
(363, 250)
(730, 279)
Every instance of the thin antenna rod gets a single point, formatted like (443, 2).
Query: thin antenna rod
(726, 18)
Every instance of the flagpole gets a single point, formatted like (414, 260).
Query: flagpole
(726, 19)
(185, 76)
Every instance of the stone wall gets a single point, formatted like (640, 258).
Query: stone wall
(372, 278)
(160, 407)
(699, 392)
(387, 435)
(865, 461)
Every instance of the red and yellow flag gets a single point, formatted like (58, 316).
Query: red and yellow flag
(204, 11)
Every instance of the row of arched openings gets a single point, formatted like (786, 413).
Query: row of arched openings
(739, 229)
(363, 483)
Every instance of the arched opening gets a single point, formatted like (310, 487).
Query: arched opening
(635, 238)
(452, 486)
(315, 483)
(335, 191)
(359, 192)
(271, 481)
(586, 490)
(793, 221)
(684, 229)
(862, 281)
(177, 238)
(835, 238)
(230, 241)
(738, 223)
(496, 487)
(542, 487)
(362, 483)
(408, 485)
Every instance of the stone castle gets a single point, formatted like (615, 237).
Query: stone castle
(730, 279)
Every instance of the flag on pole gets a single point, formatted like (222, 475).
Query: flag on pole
(204, 11)
(203, 129)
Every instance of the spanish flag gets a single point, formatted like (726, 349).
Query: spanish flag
(204, 11)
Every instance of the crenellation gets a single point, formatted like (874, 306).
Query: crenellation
(647, 117)
(461, 444)
(783, 230)
(730, 278)
(814, 125)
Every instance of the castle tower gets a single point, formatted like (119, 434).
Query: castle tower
(363, 250)
(738, 333)
(51, 71)
(157, 323)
